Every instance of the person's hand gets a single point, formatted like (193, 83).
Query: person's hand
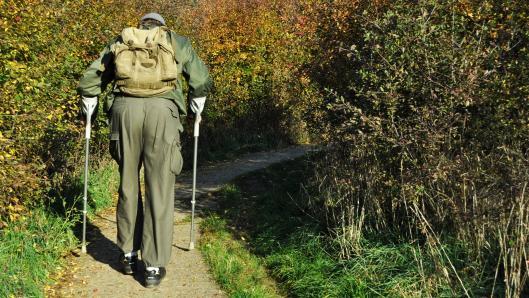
(88, 105)
(197, 105)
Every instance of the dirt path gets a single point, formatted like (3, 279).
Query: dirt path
(97, 274)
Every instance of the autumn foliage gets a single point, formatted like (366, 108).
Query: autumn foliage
(45, 45)
(423, 106)
(426, 113)
(254, 50)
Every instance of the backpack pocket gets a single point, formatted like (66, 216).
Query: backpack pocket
(124, 61)
(169, 70)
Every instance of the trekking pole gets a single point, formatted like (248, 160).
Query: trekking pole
(85, 191)
(195, 135)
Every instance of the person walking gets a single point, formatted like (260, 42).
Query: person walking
(145, 66)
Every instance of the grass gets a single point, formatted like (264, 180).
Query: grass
(237, 271)
(102, 186)
(306, 269)
(260, 232)
(32, 249)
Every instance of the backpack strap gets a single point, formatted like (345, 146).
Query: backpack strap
(172, 41)
(141, 85)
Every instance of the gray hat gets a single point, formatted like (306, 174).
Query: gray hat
(153, 16)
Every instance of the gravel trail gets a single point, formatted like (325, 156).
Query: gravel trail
(96, 274)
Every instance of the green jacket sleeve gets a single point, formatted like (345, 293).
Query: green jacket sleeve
(98, 75)
(196, 73)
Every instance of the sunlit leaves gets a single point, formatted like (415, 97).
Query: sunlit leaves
(43, 50)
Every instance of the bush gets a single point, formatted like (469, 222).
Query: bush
(44, 50)
(48, 44)
(428, 125)
(254, 52)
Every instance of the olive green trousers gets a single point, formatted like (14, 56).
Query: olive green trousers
(146, 132)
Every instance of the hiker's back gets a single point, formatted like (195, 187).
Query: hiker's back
(145, 62)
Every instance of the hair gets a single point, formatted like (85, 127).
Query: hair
(150, 22)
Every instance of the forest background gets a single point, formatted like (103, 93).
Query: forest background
(421, 106)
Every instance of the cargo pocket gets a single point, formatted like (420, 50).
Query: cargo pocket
(176, 116)
(176, 157)
(115, 150)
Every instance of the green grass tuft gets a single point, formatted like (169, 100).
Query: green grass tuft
(102, 187)
(237, 271)
(29, 250)
(33, 247)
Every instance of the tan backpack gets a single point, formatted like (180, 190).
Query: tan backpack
(145, 62)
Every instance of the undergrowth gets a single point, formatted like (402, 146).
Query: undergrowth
(32, 248)
(235, 269)
(261, 221)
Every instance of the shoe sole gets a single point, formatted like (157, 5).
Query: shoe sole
(128, 270)
(152, 285)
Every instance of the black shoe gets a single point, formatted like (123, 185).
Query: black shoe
(152, 279)
(128, 264)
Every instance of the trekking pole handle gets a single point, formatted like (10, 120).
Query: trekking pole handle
(90, 110)
(198, 118)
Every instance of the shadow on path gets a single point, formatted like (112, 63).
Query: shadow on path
(99, 247)
(99, 272)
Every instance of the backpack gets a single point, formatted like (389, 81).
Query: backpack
(145, 62)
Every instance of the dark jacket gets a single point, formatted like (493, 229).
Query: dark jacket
(101, 72)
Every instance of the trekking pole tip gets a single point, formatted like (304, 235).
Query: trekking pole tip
(83, 249)
(191, 245)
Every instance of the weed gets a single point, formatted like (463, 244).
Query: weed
(30, 250)
(237, 271)
(32, 247)
(103, 185)
(263, 208)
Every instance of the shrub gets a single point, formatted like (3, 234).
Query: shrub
(255, 53)
(427, 121)
(46, 46)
